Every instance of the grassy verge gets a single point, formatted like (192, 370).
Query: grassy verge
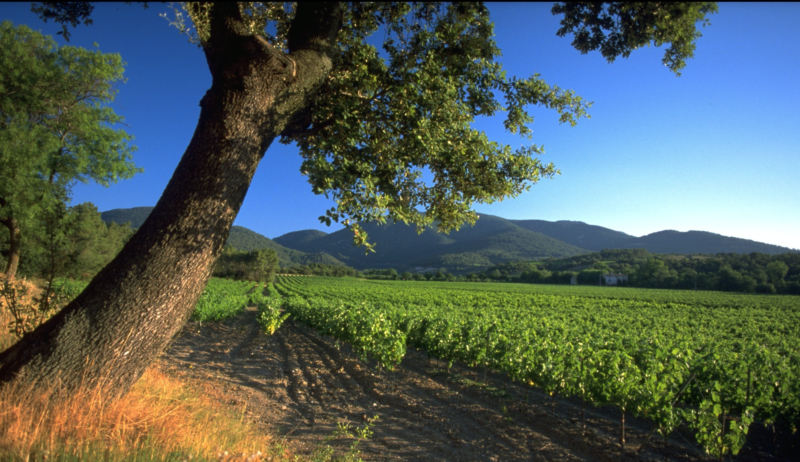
(161, 419)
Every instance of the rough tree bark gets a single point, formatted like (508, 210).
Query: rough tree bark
(131, 310)
(14, 243)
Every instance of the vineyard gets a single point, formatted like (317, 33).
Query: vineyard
(709, 362)
(226, 299)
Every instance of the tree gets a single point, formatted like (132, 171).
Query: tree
(266, 261)
(55, 128)
(366, 127)
(258, 265)
(777, 270)
(75, 243)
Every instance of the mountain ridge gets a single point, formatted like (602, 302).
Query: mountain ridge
(490, 241)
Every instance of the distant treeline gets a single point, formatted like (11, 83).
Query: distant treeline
(72, 242)
(75, 242)
(750, 273)
(321, 269)
(256, 265)
(754, 272)
(392, 274)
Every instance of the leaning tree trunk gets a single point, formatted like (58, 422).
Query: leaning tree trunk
(131, 310)
(14, 245)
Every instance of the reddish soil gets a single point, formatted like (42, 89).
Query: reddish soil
(298, 385)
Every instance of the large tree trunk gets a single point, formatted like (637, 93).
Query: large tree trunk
(131, 310)
(14, 244)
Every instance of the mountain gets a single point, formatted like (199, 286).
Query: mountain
(579, 234)
(702, 242)
(491, 240)
(135, 216)
(244, 239)
(240, 237)
(597, 238)
(297, 239)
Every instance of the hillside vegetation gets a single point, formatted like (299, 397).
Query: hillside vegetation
(244, 239)
(730, 272)
(597, 238)
(491, 240)
(240, 238)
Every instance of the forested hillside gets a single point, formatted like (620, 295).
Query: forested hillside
(134, 216)
(579, 234)
(491, 240)
(597, 238)
(296, 239)
(244, 239)
(690, 242)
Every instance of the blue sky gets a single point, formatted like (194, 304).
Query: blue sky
(717, 149)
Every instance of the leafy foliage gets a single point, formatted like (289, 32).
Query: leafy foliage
(270, 316)
(412, 112)
(382, 120)
(616, 29)
(257, 265)
(56, 125)
(222, 299)
(74, 243)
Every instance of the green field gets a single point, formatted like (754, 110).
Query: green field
(713, 362)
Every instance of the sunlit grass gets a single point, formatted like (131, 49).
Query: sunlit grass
(161, 419)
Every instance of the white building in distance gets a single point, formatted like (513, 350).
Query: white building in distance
(613, 279)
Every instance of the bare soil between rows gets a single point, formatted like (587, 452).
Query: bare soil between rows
(298, 386)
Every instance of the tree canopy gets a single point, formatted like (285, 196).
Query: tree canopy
(384, 118)
(56, 125)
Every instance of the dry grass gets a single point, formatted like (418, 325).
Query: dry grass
(162, 418)
(29, 291)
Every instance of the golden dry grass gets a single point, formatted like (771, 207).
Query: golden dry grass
(29, 291)
(162, 418)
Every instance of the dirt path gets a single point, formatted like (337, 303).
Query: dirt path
(299, 385)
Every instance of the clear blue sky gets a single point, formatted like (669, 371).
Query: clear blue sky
(717, 149)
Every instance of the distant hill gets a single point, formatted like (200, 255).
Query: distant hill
(296, 239)
(492, 240)
(579, 234)
(597, 238)
(245, 239)
(135, 216)
(239, 237)
(702, 242)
